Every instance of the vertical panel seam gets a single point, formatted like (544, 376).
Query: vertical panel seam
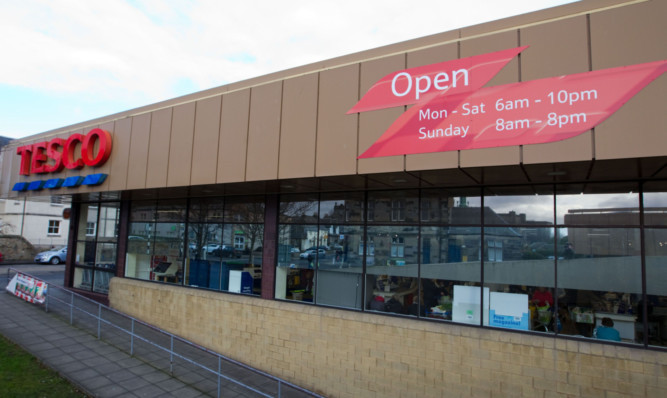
(356, 153)
(192, 142)
(150, 133)
(280, 127)
(247, 135)
(589, 40)
(317, 121)
(217, 142)
(171, 132)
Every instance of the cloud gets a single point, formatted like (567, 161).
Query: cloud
(142, 51)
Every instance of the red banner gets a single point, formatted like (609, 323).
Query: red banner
(425, 83)
(533, 112)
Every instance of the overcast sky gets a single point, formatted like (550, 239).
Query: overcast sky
(68, 61)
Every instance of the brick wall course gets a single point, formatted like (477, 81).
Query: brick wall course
(352, 354)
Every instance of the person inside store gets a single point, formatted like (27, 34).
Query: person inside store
(542, 297)
(606, 331)
(432, 290)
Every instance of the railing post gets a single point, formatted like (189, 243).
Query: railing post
(99, 321)
(71, 308)
(132, 339)
(219, 372)
(171, 356)
(46, 299)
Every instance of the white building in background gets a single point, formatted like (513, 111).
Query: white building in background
(40, 222)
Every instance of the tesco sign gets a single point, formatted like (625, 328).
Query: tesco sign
(72, 153)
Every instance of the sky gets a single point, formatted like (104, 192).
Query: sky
(68, 61)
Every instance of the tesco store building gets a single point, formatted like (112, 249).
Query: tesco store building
(456, 214)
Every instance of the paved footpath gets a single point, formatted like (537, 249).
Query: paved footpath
(97, 368)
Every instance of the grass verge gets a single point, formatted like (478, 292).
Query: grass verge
(22, 375)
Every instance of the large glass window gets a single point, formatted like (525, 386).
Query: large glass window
(156, 241)
(393, 206)
(562, 259)
(519, 257)
(320, 261)
(96, 246)
(449, 258)
(219, 247)
(651, 313)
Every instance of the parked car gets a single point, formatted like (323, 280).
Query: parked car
(227, 251)
(322, 247)
(294, 250)
(53, 256)
(310, 254)
(212, 248)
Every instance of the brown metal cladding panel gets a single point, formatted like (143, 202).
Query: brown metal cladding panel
(509, 74)
(570, 150)
(299, 127)
(373, 124)
(205, 149)
(627, 36)
(336, 131)
(438, 160)
(122, 134)
(497, 42)
(7, 179)
(233, 136)
(264, 132)
(638, 128)
(180, 147)
(158, 156)
(136, 167)
(557, 48)
(540, 16)
(11, 164)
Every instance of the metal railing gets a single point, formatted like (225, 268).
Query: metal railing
(203, 369)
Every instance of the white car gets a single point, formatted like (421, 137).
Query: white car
(211, 248)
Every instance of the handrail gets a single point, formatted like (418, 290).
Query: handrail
(172, 337)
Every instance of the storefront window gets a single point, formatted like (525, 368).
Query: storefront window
(576, 206)
(441, 206)
(519, 273)
(392, 269)
(449, 258)
(521, 263)
(598, 278)
(96, 246)
(393, 206)
(156, 249)
(299, 254)
(656, 289)
(652, 312)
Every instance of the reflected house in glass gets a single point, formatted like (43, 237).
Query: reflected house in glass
(231, 185)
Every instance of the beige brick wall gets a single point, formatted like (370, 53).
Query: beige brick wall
(353, 354)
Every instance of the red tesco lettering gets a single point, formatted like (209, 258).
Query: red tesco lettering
(55, 155)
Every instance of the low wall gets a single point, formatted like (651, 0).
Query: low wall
(353, 354)
(16, 248)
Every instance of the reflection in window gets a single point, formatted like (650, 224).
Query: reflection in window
(656, 290)
(601, 279)
(96, 246)
(598, 209)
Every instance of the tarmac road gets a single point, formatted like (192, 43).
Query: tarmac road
(54, 274)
